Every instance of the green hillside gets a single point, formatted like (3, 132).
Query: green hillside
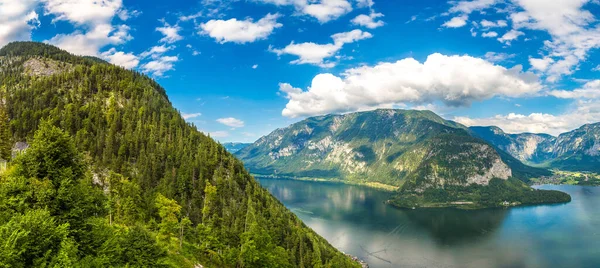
(115, 177)
(414, 150)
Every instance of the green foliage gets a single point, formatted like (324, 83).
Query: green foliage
(145, 179)
(5, 134)
(36, 239)
(498, 193)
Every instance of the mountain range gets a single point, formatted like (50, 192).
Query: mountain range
(577, 150)
(417, 151)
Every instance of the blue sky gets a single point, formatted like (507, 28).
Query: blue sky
(238, 69)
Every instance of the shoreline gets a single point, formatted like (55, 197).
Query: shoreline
(373, 185)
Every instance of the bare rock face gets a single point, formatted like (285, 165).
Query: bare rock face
(498, 170)
(45, 67)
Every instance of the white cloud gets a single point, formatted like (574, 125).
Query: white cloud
(454, 80)
(17, 20)
(240, 31)
(189, 116)
(573, 30)
(491, 24)
(370, 21)
(456, 22)
(254, 66)
(498, 57)
(125, 14)
(159, 65)
(364, 3)
(126, 60)
(322, 10)
(316, 54)
(171, 33)
(582, 112)
(590, 90)
(490, 34)
(467, 7)
(190, 17)
(540, 64)
(93, 23)
(510, 36)
(90, 42)
(231, 122)
(156, 51)
(83, 11)
(597, 68)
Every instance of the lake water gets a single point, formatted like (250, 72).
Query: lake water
(355, 220)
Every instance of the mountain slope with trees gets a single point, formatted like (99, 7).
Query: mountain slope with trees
(416, 151)
(116, 177)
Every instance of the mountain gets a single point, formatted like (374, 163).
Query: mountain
(115, 177)
(527, 147)
(577, 150)
(415, 151)
(233, 147)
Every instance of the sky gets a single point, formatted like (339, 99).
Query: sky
(238, 69)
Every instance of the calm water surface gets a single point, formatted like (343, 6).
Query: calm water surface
(355, 220)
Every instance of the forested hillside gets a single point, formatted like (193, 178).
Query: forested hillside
(115, 177)
(433, 162)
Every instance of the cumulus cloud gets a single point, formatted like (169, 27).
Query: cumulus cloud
(189, 116)
(573, 30)
(510, 36)
(159, 65)
(590, 90)
(90, 42)
(491, 24)
(370, 21)
(316, 54)
(456, 22)
(17, 20)
(171, 33)
(467, 7)
(126, 60)
(240, 31)
(541, 64)
(231, 122)
(322, 10)
(453, 80)
(489, 34)
(582, 112)
(83, 11)
(93, 22)
(498, 57)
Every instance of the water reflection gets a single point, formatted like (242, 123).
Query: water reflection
(450, 227)
(355, 220)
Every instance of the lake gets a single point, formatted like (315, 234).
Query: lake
(355, 220)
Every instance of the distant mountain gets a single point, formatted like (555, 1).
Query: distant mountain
(233, 147)
(527, 147)
(577, 150)
(415, 150)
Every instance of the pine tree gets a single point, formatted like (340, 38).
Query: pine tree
(5, 134)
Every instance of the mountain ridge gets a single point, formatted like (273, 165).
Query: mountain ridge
(576, 150)
(411, 149)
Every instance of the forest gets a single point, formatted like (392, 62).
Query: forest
(115, 177)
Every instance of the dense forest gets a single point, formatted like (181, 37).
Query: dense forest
(114, 176)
